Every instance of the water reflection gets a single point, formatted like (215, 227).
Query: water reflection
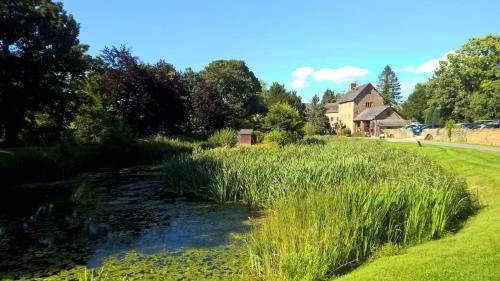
(47, 228)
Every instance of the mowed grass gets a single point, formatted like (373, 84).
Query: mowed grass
(329, 207)
(471, 254)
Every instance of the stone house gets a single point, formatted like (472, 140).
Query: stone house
(362, 110)
(332, 113)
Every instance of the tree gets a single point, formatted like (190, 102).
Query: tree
(388, 85)
(282, 116)
(464, 87)
(413, 108)
(329, 96)
(278, 94)
(316, 116)
(144, 97)
(92, 118)
(485, 104)
(208, 107)
(236, 84)
(41, 65)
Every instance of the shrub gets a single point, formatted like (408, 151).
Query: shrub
(309, 129)
(310, 140)
(259, 136)
(279, 136)
(223, 137)
(282, 116)
(345, 132)
(450, 125)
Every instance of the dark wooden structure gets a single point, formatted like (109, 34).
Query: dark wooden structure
(246, 136)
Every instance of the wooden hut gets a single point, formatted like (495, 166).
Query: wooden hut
(246, 136)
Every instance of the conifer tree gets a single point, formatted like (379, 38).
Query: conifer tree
(389, 86)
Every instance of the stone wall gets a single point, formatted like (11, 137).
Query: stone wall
(398, 133)
(477, 136)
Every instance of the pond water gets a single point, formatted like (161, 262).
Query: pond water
(118, 225)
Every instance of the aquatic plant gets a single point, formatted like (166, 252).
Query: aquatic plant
(328, 207)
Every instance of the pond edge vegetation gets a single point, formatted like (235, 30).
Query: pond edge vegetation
(327, 207)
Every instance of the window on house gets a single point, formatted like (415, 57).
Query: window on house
(331, 118)
(368, 104)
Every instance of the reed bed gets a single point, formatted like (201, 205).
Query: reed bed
(327, 207)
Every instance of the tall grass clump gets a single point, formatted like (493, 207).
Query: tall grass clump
(223, 137)
(327, 207)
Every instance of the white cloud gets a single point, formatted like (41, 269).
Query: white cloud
(337, 75)
(429, 66)
(300, 77)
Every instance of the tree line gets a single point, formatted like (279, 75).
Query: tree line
(50, 88)
(465, 87)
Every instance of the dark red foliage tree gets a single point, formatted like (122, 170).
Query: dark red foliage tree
(145, 97)
(208, 107)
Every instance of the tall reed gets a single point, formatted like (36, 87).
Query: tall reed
(328, 207)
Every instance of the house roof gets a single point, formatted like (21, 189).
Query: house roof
(332, 107)
(392, 123)
(245, 132)
(370, 113)
(354, 93)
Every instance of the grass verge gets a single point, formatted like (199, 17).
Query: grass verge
(471, 254)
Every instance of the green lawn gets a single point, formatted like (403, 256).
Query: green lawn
(471, 254)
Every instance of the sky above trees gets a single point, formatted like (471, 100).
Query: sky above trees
(307, 45)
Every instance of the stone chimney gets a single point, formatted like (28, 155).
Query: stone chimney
(353, 86)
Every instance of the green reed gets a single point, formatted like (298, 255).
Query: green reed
(327, 207)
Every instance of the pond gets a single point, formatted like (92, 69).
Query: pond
(118, 225)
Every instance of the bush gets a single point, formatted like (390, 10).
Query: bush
(345, 132)
(224, 137)
(279, 136)
(309, 141)
(449, 125)
(259, 136)
(309, 129)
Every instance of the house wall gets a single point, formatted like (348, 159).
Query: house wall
(373, 97)
(346, 114)
(333, 117)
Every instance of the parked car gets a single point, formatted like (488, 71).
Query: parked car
(471, 126)
(417, 130)
(489, 126)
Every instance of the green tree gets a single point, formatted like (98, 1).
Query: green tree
(329, 96)
(316, 116)
(282, 116)
(237, 85)
(432, 116)
(485, 104)
(464, 86)
(278, 94)
(413, 108)
(389, 86)
(92, 118)
(41, 65)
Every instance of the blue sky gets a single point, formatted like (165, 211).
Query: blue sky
(307, 45)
